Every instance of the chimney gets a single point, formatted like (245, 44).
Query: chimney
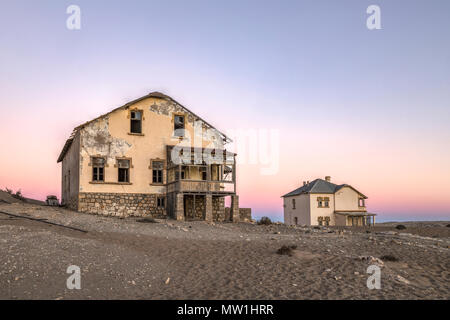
(304, 183)
(328, 178)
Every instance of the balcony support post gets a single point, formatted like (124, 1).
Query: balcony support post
(208, 207)
(179, 206)
(234, 208)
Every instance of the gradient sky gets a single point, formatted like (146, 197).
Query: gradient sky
(369, 108)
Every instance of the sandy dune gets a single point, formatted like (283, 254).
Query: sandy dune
(126, 259)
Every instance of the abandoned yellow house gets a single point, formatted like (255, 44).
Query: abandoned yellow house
(323, 203)
(150, 157)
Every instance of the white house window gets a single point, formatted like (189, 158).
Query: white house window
(361, 202)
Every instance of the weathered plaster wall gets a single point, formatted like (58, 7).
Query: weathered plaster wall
(347, 199)
(317, 212)
(301, 211)
(70, 175)
(110, 137)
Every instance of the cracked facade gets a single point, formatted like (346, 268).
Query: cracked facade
(120, 164)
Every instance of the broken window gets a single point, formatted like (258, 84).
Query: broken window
(98, 169)
(178, 126)
(157, 167)
(124, 170)
(161, 202)
(136, 121)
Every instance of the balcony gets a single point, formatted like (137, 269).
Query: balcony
(202, 186)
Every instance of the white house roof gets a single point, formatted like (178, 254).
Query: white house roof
(320, 186)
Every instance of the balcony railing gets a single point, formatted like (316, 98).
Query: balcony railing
(201, 186)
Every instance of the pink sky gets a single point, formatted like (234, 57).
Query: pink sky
(368, 108)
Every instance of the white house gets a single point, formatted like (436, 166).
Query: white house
(321, 202)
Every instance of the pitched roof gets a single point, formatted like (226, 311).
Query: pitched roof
(319, 186)
(154, 94)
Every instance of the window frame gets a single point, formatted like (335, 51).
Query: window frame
(152, 161)
(174, 117)
(94, 166)
(130, 166)
(141, 112)
(160, 199)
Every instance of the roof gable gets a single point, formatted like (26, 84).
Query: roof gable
(319, 186)
(154, 94)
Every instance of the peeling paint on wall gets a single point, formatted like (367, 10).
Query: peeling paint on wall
(168, 108)
(97, 141)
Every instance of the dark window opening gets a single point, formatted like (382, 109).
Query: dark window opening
(161, 202)
(136, 122)
(293, 203)
(177, 175)
(178, 126)
(203, 173)
(98, 169)
(124, 170)
(157, 171)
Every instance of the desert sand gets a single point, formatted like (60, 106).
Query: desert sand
(128, 259)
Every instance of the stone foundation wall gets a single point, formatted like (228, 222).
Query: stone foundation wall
(72, 203)
(120, 204)
(218, 209)
(245, 214)
(198, 212)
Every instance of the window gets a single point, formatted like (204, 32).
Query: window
(98, 169)
(203, 173)
(161, 202)
(320, 221)
(157, 167)
(178, 125)
(295, 220)
(293, 203)
(326, 202)
(327, 221)
(183, 174)
(361, 202)
(320, 202)
(136, 121)
(124, 170)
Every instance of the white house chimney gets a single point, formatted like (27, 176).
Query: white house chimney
(328, 178)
